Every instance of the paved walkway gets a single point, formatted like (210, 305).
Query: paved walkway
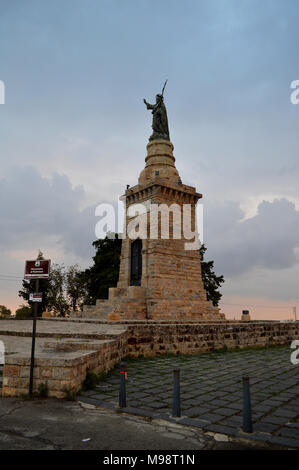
(60, 328)
(16, 334)
(211, 392)
(61, 425)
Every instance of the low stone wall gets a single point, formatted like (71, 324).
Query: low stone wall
(159, 339)
(63, 373)
(65, 365)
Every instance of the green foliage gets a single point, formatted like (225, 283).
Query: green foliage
(69, 394)
(24, 311)
(104, 273)
(62, 292)
(29, 286)
(91, 380)
(75, 286)
(42, 390)
(210, 280)
(4, 311)
(56, 299)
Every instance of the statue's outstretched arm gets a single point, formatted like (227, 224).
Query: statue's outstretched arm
(148, 105)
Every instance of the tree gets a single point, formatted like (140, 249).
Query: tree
(53, 290)
(23, 311)
(4, 311)
(75, 286)
(210, 280)
(56, 298)
(104, 273)
(29, 286)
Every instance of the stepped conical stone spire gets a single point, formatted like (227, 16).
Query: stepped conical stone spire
(159, 162)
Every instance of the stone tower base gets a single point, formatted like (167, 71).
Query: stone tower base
(131, 303)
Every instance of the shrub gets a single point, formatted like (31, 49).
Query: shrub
(91, 380)
(24, 312)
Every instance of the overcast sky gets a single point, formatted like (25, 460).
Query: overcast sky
(74, 129)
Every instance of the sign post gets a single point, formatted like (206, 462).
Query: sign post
(36, 269)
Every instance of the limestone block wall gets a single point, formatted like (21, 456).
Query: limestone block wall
(159, 339)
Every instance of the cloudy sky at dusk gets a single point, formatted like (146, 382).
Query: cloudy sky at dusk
(74, 130)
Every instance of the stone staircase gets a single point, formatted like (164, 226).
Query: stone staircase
(100, 310)
(123, 302)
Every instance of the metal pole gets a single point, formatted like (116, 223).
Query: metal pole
(295, 313)
(247, 418)
(176, 405)
(33, 341)
(122, 386)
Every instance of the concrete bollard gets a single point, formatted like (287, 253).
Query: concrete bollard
(122, 386)
(176, 404)
(247, 418)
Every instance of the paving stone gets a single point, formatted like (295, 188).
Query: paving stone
(279, 399)
(265, 427)
(196, 411)
(285, 413)
(190, 403)
(261, 408)
(279, 420)
(289, 432)
(222, 429)
(235, 406)
(285, 441)
(293, 425)
(219, 403)
(212, 417)
(201, 423)
(156, 406)
(225, 411)
(255, 436)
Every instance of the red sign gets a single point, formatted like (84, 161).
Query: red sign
(37, 269)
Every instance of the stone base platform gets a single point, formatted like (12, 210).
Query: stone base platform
(67, 348)
(123, 302)
(132, 303)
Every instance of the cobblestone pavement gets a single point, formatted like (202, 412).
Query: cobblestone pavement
(211, 392)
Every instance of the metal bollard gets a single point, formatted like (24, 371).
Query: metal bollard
(247, 418)
(176, 405)
(122, 386)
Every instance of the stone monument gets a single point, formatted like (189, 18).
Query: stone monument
(159, 279)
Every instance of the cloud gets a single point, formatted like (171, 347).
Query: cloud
(267, 240)
(34, 209)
